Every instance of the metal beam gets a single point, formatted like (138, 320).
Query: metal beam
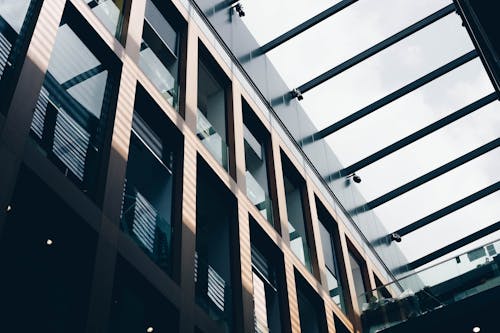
(396, 94)
(376, 48)
(83, 76)
(449, 209)
(434, 173)
(417, 135)
(305, 25)
(454, 246)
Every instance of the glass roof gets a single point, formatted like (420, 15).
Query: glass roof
(353, 30)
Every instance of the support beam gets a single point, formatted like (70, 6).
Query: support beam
(434, 173)
(454, 246)
(396, 94)
(376, 49)
(305, 25)
(449, 209)
(417, 135)
(83, 76)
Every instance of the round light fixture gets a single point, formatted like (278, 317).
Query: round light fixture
(49, 242)
(150, 329)
(476, 329)
(9, 208)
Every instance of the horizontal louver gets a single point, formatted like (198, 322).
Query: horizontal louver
(5, 47)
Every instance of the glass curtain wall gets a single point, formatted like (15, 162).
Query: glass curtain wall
(72, 113)
(359, 275)
(160, 51)
(148, 198)
(211, 127)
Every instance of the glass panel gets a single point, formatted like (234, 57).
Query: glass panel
(332, 271)
(359, 281)
(110, 12)
(139, 307)
(159, 53)
(435, 287)
(14, 18)
(296, 223)
(256, 174)
(148, 194)
(72, 109)
(212, 118)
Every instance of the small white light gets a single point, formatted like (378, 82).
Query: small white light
(150, 329)
(9, 208)
(476, 329)
(49, 242)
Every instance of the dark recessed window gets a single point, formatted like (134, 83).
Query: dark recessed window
(74, 109)
(47, 255)
(216, 247)
(137, 307)
(258, 165)
(311, 308)
(152, 180)
(160, 49)
(212, 120)
(112, 14)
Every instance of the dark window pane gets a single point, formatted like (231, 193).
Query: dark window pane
(148, 195)
(137, 307)
(47, 257)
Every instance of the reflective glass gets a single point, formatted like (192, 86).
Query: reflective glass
(148, 195)
(159, 55)
(14, 35)
(212, 118)
(71, 113)
(358, 276)
(111, 13)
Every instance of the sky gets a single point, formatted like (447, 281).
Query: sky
(355, 29)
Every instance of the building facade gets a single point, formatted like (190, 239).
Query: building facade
(146, 187)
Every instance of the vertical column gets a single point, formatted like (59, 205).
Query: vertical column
(330, 323)
(292, 294)
(239, 146)
(135, 26)
(280, 188)
(17, 124)
(191, 105)
(106, 247)
(246, 269)
(188, 242)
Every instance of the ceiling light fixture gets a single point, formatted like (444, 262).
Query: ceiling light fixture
(476, 329)
(9, 208)
(49, 242)
(150, 329)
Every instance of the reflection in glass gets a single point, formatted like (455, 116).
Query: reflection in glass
(14, 18)
(72, 109)
(296, 222)
(359, 281)
(211, 121)
(332, 267)
(256, 174)
(159, 53)
(110, 12)
(147, 199)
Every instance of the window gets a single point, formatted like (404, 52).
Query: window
(73, 111)
(268, 282)
(16, 24)
(311, 308)
(333, 274)
(360, 277)
(153, 174)
(257, 162)
(47, 256)
(294, 187)
(112, 14)
(137, 306)
(334, 261)
(212, 121)
(160, 49)
(216, 246)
